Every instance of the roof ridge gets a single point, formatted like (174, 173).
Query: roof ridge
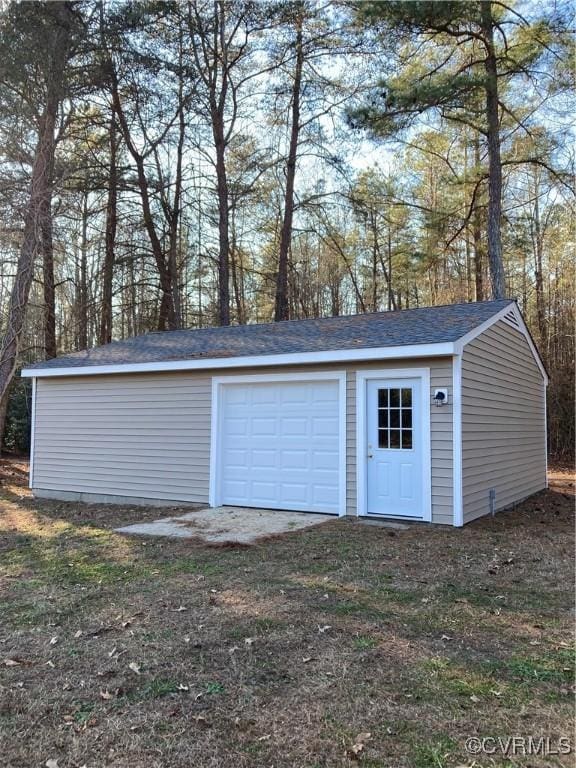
(279, 323)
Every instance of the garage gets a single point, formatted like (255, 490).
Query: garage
(435, 414)
(279, 443)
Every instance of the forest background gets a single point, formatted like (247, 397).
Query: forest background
(170, 165)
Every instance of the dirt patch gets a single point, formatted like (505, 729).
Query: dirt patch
(121, 652)
(227, 525)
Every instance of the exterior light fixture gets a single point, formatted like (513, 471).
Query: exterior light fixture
(440, 397)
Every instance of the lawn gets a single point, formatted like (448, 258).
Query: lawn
(340, 645)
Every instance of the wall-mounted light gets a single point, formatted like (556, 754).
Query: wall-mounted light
(440, 397)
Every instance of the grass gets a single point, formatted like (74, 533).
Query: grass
(119, 651)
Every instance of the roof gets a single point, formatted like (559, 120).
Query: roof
(422, 326)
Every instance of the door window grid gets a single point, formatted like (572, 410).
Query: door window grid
(395, 418)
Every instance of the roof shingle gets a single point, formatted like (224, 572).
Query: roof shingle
(426, 325)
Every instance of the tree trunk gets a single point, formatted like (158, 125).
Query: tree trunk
(391, 299)
(82, 290)
(281, 311)
(223, 222)
(478, 255)
(538, 274)
(494, 160)
(477, 230)
(105, 334)
(3, 414)
(48, 274)
(174, 221)
(40, 193)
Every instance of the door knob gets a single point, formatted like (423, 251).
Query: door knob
(370, 455)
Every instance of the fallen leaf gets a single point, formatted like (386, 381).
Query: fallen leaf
(180, 609)
(134, 667)
(474, 698)
(358, 747)
(51, 763)
(106, 695)
(12, 662)
(202, 720)
(78, 634)
(323, 629)
(54, 640)
(265, 738)
(446, 637)
(307, 659)
(182, 687)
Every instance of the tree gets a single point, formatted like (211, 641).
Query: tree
(139, 98)
(453, 58)
(220, 37)
(41, 37)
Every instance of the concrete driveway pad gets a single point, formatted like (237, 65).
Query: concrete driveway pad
(228, 524)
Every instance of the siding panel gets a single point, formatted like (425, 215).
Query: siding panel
(503, 422)
(141, 436)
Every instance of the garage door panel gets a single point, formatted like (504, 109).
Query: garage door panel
(279, 445)
(294, 493)
(324, 460)
(324, 494)
(293, 427)
(236, 458)
(295, 396)
(324, 427)
(263, 459)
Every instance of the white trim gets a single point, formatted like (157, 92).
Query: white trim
(458, 502)
(545, 434)
(361, 466)
(297, 358)
(523, 329)
(471, 335)
(215, 423)
(32, 433)
(535, 353)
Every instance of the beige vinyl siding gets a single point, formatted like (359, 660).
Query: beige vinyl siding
(503, 421)
(144, 436)
(148, 435)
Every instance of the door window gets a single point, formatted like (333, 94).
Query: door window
(395, 418)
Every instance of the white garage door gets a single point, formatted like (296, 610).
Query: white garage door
(279, 445)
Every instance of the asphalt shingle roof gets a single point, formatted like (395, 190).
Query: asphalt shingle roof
(426, 325)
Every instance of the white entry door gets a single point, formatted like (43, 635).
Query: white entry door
(279, 445)
(395, 477)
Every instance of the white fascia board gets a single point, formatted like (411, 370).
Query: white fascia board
(300, 358)
(475, 332)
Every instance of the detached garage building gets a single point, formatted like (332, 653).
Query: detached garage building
(435, 414)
